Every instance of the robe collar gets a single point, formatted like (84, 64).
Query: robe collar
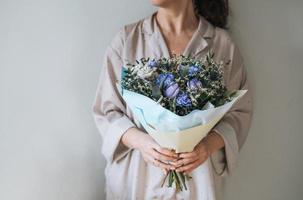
(201, 38)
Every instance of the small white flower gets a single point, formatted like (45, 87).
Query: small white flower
(143, 71)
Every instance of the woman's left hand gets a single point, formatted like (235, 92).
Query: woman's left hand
(189, 161)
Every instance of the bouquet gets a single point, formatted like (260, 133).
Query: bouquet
(177, 101)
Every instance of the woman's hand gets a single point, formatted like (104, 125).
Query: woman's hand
(189, 161)
(151, 151)
(156, 155)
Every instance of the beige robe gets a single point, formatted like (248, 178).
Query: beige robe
(127, 175)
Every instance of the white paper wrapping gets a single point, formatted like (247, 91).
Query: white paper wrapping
(181, 133)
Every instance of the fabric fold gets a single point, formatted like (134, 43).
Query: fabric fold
(109, 110)
(225, 160)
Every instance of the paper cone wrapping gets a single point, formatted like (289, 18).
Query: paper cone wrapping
(181, 133)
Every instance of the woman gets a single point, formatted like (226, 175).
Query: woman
(136, 164)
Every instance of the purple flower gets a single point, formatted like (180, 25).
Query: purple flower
(183, 99)
(167, 79)
(152, 63)
(172, 90)
(193, 70)
(194, 84)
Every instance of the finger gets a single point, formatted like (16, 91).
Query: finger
(192, 154)
(154, 161)
(167, 152)
(162, 165)
(190, 169)
(161, 157)
(190, 166)
(184, 161)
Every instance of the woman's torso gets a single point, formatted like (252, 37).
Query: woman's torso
(131, 177)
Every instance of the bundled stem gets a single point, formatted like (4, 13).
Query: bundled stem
(177, 178)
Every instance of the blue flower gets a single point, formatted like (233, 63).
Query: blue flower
(152, 63)
(169, 80)
(193, 70)
(194, 84)
(165, 79)
(160, 79)
(172, 90)
(183, 99)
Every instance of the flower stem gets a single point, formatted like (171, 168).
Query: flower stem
(165, 179)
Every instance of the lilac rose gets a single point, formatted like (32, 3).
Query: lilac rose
(172, 90)
(194, 84)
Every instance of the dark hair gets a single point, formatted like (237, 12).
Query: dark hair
(214, 11)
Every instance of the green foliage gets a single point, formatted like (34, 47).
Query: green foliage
(141, 78)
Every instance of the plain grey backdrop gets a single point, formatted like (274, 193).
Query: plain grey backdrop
(50, 59)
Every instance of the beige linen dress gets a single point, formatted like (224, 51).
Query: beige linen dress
(127, 175)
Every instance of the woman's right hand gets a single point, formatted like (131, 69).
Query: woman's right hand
(150, 150)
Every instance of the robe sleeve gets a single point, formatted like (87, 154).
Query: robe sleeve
(108, 107)
(234, 126)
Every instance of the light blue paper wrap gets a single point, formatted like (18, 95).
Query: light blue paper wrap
(181, 133)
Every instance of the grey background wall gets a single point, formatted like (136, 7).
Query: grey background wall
(50, 60)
